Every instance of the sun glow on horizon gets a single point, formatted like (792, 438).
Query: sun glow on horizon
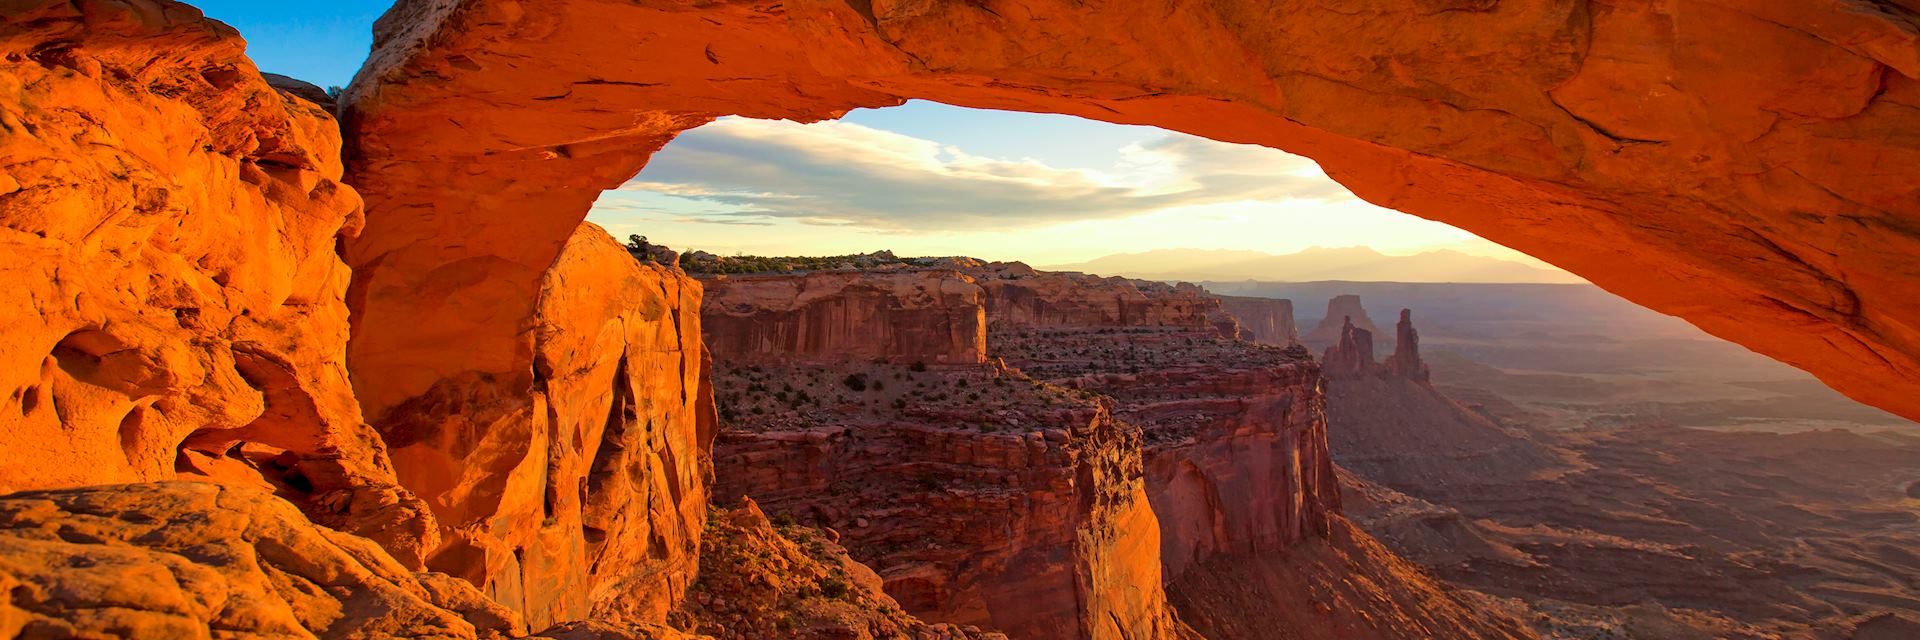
(992, 185)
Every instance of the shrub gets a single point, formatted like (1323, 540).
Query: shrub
(917, 366)
(833, 587)
(856, 381)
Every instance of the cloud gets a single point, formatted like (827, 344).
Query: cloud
(844, 174)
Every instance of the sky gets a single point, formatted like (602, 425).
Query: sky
(926, 178)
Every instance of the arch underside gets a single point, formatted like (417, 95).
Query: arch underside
(1750, 166)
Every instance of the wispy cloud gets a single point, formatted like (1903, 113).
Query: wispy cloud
(743, 171)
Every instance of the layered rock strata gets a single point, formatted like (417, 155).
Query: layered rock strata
(1019, 295)
(175, 306)
(1263, 320)
(932, 317)
(979, 496)
(1242, 480)
(577, 487)
(1236, 440)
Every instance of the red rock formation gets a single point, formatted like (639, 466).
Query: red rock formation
(759, 580)
(1340, 311)
(1771, 202)
(1237, 456)
(932, 317)
(174, 302)
(1236, 434)
(1014, 507)
(1264, 320)
(1020, 296)
(200, 560)
(1405, 361)
(978, 495)
(1240, 476)
(577, 487)
(1352, 356)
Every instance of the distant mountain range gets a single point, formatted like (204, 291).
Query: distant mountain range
(1360, 264)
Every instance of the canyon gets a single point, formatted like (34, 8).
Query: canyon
(280, 366)
(1624, 526)
(1199, 455)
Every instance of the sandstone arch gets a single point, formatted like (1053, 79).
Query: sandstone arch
(1752, 166)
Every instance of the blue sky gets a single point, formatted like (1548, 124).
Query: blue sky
(925, 178)
(319, 41)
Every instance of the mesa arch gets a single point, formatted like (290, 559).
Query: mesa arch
(1752, 166)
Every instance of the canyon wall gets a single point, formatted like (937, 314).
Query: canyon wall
(1242, 480)
(577, 487)
(1019, 295)
(1236, 433)
(1771, 202)
(931, 317)
(1264, 320)
(175, 304)
(979, 496)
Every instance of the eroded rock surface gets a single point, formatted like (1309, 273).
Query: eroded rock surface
(1264, 320)
(1235, 432)
(576, 486)
(204, 560)
(175, 307)
(980, 496)
(1242, 481)
(761, 580)
(931, 317)
(1772, 202)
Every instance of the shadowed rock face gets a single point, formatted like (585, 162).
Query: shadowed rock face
(578, 488)
(760, 580)
(1265, 320)
(1772, 202)
(174, 304)
(1405, 361)
(1352, 356)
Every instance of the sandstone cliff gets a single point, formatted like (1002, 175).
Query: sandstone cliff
(1405, 361)
(174, 304)
(1351, 356)
(1240, 476)
(1019, 295)
(933, 317)
(978, 495)
(577, 487)
(1264, 320)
